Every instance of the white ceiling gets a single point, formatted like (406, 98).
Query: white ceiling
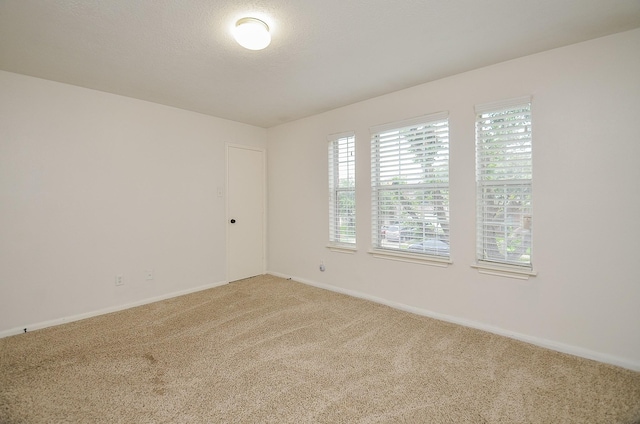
(324, 53)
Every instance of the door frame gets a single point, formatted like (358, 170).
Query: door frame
(263, 152)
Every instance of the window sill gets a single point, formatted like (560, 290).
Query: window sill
(508, 271)
(411, 258)
(340, 248)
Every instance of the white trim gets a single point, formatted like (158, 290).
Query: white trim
(338, 136)
(72, 318)
(411, 258)
(504, 270)
(424, 119)
(502, 104)
(342, 248)
(545, 343)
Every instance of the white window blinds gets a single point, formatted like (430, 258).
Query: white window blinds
(342, 190)
(503, 181)
(410, 185)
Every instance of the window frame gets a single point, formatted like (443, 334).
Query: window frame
(508, 183)
(336, 191)
(433, 130)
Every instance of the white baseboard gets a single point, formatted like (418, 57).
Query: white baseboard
(548, 344)
(64, 320)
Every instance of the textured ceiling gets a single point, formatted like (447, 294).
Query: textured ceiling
(324, 53)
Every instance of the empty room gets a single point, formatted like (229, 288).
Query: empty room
(297, 211)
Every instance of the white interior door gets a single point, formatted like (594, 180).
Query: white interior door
(245, 212)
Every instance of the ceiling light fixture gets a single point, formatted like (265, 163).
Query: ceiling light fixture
(252, 34)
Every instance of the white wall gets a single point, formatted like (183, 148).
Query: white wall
(586, 134)
(93, 185)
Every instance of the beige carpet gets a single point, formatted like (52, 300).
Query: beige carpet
(269, 350)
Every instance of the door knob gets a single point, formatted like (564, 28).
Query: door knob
(233, 221)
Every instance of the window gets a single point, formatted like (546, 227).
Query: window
(342, 190)
(410, 186)
(503, 183)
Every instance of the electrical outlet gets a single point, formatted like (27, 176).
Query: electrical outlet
(119, 280)
(149, 274)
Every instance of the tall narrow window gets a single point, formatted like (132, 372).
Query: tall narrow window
(410, 186)
(503, 181)
(342, 190)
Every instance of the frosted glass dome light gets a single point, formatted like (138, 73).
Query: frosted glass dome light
(252, 34)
